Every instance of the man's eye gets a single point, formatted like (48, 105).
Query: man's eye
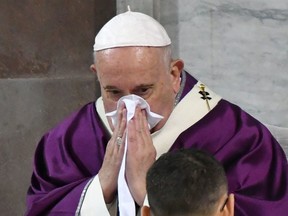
(143, 92)
(114, 94)
(113, 91)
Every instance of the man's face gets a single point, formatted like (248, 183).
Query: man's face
(143, 71)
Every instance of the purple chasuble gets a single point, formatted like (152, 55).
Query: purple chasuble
(65, 160)
(71, 154)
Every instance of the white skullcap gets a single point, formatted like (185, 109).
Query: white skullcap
(131, 29)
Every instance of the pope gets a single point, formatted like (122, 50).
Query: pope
(77, 163)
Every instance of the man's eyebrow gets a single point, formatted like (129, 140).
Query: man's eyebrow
(110, 87)
(144, 86)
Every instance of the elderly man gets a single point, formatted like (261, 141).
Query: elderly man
(95, 162)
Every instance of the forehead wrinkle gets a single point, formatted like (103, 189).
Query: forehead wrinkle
(148, 56)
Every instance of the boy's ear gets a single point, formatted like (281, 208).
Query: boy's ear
(229, 208)
(145, 211)
(231, 204)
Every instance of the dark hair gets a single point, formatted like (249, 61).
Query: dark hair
(185, 182)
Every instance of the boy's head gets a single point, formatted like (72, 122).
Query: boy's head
(187, 182)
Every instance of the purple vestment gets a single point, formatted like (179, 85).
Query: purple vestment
(71, 154)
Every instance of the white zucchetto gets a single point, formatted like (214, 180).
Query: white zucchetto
(131, 29)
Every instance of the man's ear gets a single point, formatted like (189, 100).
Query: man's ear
(93, 68)
(175, 72)
(145, 211)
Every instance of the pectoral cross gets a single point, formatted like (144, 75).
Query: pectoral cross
(205, 95)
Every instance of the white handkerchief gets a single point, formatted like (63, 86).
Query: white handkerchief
(125, 199)
(131, 101)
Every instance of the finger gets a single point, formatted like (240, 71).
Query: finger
(138, 120)
(121, 122)
(121, 147)
(110, 123)
(139, 138)
(131, 136)
(116, 127)
(145, 126)
(109, 149)
(119, 133)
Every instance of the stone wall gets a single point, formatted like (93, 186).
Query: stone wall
(45, 54)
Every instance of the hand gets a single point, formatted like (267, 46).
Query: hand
(108, 174)
(141, 154)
